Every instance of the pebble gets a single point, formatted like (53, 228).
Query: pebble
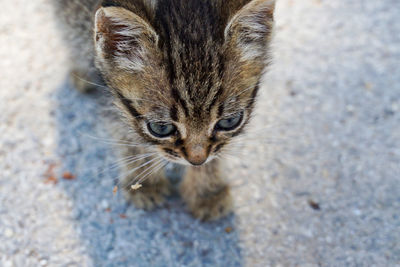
(8, 232)
(104, 204)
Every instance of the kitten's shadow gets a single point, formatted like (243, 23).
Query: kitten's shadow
(117, 234)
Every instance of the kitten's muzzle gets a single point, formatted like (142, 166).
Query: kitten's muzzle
(196, 155)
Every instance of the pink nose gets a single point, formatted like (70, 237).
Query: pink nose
(197, 155)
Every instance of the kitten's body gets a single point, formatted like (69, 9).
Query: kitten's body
(190, 67)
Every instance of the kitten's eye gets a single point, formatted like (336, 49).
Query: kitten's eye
(229, 123)
(161, 129)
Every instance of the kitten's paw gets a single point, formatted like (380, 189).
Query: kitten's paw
(85, 81)
(149, 196)
(212, 205)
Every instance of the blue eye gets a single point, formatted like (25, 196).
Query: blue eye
(161, 129)
(229, 123)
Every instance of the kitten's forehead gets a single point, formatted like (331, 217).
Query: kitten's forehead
(195, 73)
(191, 38)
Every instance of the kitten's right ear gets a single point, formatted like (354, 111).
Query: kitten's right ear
(123, 39)
(249, 30)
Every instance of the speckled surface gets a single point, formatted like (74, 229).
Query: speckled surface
(316, 183)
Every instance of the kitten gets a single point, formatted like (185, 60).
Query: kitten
(184, 75)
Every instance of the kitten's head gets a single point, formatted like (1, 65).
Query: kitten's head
(185, 73)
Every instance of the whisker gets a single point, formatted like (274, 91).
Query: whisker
(91, 83)
(225, 156)
(130, 160)
(155, 169)
(110, 141)
(145, 171)
(116, 164)
(138, 167)
(143, 165)
(233, 95)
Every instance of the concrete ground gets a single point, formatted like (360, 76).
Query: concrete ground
(317, 183)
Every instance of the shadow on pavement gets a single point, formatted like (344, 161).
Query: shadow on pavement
(117, 234)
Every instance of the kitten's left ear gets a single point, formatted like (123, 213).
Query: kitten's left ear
(250, 29)
(123, 39)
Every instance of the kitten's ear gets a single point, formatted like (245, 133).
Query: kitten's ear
(250, 29)
(123, 39)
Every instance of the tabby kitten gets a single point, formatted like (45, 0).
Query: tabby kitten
(184, 75)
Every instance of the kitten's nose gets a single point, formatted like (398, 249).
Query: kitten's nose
(196, 155)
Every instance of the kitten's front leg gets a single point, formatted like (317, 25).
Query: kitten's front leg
(153, 189)
(205, 192)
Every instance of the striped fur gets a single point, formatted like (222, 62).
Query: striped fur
(196, 58)
(186, 62)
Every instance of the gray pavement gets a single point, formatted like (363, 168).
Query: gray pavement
(316, 183)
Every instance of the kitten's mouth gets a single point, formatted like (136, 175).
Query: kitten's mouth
(195, 160)
(184, 161)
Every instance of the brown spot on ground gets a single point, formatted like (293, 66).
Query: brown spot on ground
(228, 229)
(51, 180)
(50, 175)
(68, 176)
